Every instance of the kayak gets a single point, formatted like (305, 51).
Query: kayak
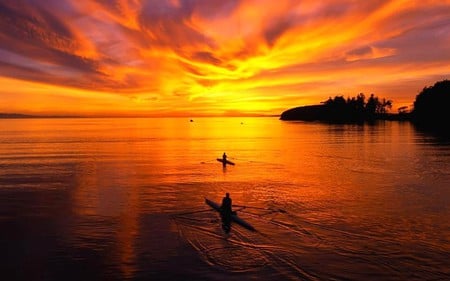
(234, 217)
(226, 161)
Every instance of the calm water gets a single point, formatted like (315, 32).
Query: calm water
(115, 199)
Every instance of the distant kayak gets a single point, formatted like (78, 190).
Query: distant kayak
(234, 217)
(226, 161)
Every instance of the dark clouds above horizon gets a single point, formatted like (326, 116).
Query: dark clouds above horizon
(253, 56)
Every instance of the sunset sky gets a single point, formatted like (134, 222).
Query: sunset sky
(214, 57)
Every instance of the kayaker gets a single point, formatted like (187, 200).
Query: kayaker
(226, 208)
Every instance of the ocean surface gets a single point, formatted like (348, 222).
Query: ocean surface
(123, 199)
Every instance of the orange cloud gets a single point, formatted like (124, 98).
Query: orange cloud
(212, 57)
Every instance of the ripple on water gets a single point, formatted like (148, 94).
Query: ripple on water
(242, 251)
(231, 252)
(235, 258)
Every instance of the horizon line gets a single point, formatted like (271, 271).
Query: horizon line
(62, 116)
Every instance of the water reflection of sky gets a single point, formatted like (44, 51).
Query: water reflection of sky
(110, 196)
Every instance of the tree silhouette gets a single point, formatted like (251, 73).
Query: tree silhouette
(431, 107)
(403, 110)
(381, 107)
(355, 109)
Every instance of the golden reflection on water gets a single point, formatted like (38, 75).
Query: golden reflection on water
(101, 195)
(337, 190)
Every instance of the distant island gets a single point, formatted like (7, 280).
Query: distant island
(15, 115)
(27, 116)
(430, 109)
(341, 110)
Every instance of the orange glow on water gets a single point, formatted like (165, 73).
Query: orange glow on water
(213, 58)
(124, 197)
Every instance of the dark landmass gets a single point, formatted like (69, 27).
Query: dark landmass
(341, 110)
(26, 116)
(431, 107)
(322, 113)
(305, 113)
(14, 116)
(430, 112)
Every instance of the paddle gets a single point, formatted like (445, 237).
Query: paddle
(259, 208)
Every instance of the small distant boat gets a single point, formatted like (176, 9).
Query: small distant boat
(225, 162)
(234, 217)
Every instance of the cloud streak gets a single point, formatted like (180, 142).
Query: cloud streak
(218, 56)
